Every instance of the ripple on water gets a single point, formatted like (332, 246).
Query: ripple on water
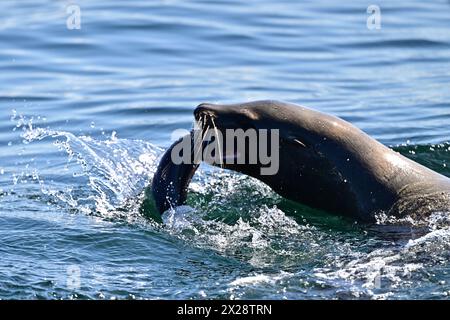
(95, 105)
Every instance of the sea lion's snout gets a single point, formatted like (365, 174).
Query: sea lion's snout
(230, 116)
(206, 109)
(215, 116)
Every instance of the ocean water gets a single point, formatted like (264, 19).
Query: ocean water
(85, 114)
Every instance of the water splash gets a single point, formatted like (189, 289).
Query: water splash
(100, 176)
(364, 264)
(237, 217)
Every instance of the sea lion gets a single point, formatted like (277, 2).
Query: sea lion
(324, 162)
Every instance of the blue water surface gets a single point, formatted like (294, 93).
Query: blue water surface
(85, 114)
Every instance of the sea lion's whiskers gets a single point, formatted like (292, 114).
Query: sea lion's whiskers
(196, 143)
(205, 126)
(199, 140)
(218, 143)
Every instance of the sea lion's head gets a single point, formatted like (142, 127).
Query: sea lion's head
(274, 132)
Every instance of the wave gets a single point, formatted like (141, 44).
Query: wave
(241, 218)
